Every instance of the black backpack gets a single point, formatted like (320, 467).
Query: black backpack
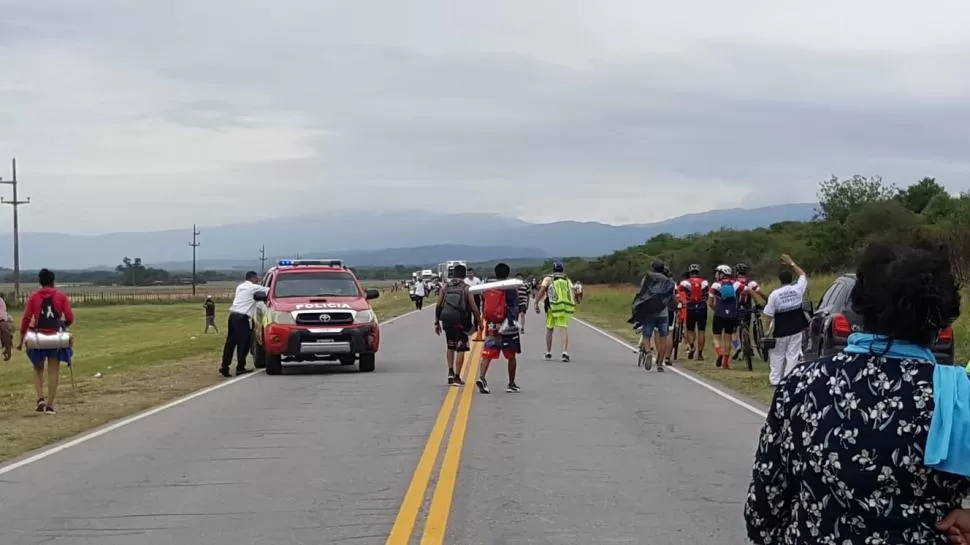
(654, 295)
(454, 312)
(48, 317)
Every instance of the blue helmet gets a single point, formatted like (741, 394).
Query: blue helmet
(558, 267)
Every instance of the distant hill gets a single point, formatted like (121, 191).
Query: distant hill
(389, 257)
(363, 237)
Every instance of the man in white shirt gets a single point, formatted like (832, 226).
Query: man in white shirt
(239, 329)
(418, 294)
(784, 307)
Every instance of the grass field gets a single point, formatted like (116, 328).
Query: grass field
(609, 307)
(147, 354)
(88, 295)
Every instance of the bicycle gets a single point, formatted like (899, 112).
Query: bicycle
(677, 334)
(744, 336)
(759, 333)
(644, 357)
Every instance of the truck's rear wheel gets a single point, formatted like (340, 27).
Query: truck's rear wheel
(367, 362)
(274, 364)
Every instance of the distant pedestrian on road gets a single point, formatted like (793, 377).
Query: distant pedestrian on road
(784, 307)
(6, 329)
(210, 314)
(47, 311)
(457, 314)
(418, 294)
(239, 326)
(556, 293)
(501, 334)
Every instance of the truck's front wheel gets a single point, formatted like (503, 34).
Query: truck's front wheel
(259, 355)
(274, 364)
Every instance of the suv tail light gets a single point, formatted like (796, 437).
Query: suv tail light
(840, 326)
(946, 336)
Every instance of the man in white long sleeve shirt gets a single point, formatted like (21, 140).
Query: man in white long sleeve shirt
(239, 327)
(784, 307)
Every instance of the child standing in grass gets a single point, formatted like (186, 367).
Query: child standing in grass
(48, 311)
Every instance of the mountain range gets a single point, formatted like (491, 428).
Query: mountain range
(374, 239)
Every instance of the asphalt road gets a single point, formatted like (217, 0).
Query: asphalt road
(590, 452)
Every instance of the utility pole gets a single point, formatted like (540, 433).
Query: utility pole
(15, 203)
(262, 260)
(194, 244)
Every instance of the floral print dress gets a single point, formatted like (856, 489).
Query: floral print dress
(840, 459)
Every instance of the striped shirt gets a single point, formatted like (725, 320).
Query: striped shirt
(524, 292)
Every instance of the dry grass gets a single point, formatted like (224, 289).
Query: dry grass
(609, 308)
(146, 354)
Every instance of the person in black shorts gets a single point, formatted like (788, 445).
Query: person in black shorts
(456, 314)
(695, 289)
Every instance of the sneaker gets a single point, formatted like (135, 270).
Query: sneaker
(458, 381)
(660, 368)
(225, 373)
(482, 385)
(548, 355)
(565, 357)
(451, 376)
(690, 353)
(240, 372)
(513, 388)
(49, 409)
(668, 363)
(727, 362)
(41, 405)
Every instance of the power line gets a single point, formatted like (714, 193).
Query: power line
(262, 259)
(194, 244)
(15, 203)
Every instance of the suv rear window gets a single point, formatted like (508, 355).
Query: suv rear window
(315, 284)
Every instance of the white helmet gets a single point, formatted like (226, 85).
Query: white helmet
(724, 269)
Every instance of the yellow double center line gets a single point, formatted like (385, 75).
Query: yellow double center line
(444, 491)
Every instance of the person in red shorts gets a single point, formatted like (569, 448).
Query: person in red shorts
(499, 309)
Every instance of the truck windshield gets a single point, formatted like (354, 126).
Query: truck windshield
(315, 284)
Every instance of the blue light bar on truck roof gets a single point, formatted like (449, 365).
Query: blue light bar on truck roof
(310, 262)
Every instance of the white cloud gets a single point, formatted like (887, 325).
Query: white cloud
(148, 115)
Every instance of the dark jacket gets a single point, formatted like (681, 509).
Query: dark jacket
(653, 298)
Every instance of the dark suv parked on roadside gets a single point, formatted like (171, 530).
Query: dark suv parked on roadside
(833, 321)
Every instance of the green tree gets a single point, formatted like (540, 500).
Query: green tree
(918, 196)
(838, 199)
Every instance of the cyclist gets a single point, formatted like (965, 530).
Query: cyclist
(723, 300)
(745, 301)
(695, 290)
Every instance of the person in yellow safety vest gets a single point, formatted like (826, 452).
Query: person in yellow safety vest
(558, 295)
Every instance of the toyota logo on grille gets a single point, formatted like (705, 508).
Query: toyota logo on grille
(324, 317)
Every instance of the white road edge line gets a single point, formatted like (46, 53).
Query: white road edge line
(142, 415)
(695, 380)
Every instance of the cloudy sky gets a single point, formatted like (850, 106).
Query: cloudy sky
(150, 114)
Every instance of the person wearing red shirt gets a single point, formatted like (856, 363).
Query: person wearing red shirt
(47, 311)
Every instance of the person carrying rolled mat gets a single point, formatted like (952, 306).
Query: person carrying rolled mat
(239, 327)
(47, 311)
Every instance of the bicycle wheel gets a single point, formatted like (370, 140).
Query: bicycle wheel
(746, 348)
(675, 338)
(759, 335)
(641, 354)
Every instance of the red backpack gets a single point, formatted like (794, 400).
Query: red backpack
(494, 306)
(696, 294)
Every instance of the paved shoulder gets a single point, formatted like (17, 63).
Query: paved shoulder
(287, 459)
(599, 451)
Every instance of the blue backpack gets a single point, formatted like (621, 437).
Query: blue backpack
(728, 293)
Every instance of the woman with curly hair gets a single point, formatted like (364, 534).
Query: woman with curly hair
(872, 445)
